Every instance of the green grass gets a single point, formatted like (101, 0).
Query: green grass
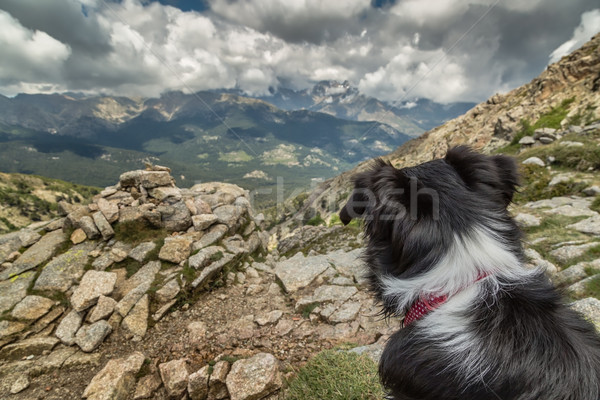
(336, 375)
(316, 220)
(595, 204)
(136, 232)
(306, 310)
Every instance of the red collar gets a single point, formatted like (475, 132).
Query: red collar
(422, 306)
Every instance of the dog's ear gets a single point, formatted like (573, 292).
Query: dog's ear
(481, 172)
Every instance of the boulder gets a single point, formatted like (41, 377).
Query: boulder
(125, 305)
(63, 271)
(109, 209)
(78, 236)
(89, 227)
(14, 290)
(228, 214)
(176, 249)
(168, 292)
(146, 179)
(535, 161)
(299, 271)
(566, 253)
(175, 217)
(8, 328)
(146, 386)
(198, 384)
(590, 226)
(527, 141)
(93, 285)
(135, 323)
(144, 275)
(203, 221)
(254, 378)
(590, 309)
(34, 346)
(527, 220)
(89, 337)
(32, 308)
(217, 387)
(328, 293)
(116, 379)
(103, 225)
(205, 256)
(174, 375)
(141, 251)
(208, 273)
(103, 309)
(214, 234)
(68, 327)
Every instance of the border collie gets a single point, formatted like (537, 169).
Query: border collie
(443, 251)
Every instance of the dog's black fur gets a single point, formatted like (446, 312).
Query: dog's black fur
(507, 336)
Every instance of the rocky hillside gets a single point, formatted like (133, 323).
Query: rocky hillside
(27, 198)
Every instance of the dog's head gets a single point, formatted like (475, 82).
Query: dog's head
(413, 215)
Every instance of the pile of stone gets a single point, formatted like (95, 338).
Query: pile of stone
(544, 136)
(80, 292)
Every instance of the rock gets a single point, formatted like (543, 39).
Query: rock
(163, 193)
(568, 143)
(14, 290)
(32, 308)
(20, 384)
(270, 318)
(228, 214)
(590, 309)
(535, 161)
(63, 271)
(198, 384)
(212, 270)
(217, 387)
(571, 275)
(205, 256)
(78, 236)
(299, 271)
(283, 327)
(590, 226)
(116, 379)
(570, 210)
(546, 139)
(561, 178)
(141, 251)
(176, 249)
(254, 378)
(196, 330)
(527, 220)
(89, 227)
(8, 328)
(89, 337)
(131, 214)
(128, 302)
(328, 293)
(93, 285)
(579, 289)
(147, 386)
(373, 351)
(103, 225)
(119, 252)
(28, 237)
(174, 375)
(214, 234)
(536, 261)
(36, 255)
(109, 209)
(235, 245)
(103, 262)
(544, 131)
(103, 309)
(346, 313)
(203, 221)
(68, 327)
(168, 291)
(144, 275)
(202, 207)
(566, 253)
(163, 310)
(146, 179)
(592, 191)
(135, 323)
(33, 346)
(76, 212)
(175, 217)
(527, 141)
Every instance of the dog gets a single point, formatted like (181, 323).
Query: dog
(443, 251)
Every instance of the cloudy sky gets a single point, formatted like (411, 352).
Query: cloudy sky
(395, 50)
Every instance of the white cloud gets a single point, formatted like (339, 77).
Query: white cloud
(589, 26)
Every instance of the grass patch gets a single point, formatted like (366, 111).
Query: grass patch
(590, 255)
(316, 220)
(306, 310)
(136, 232)
(535, 180)
(592, 289)
(596, 204)
(336, 375)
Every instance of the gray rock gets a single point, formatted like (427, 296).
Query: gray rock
(527, 220)
(163, 193)
(124, 306)
(8, 328)
(566, 253)
(28, 237)
(299, 271)
(163, 310)
(109, 209)
(214, 234)
(176, 249)
(63, 271)
(144, 275)
(571, 275)
(217, 387)
(131, 214)
(34, 346)
(104, 307)
(212, 270)
(568, 143)
(20, 384)
(93, 285)
(346, 313)
(135, 323)
(536, 261)
(535, 161)
(174, 375)
(348, 263)
(559, 201)
(116, 379)
(527, 141)
(146, 386)
(103, 262)
(228, 214)
(592, 191)
(254, 378)
(205, 256)
(141, 251)
(544, 131)
(546, 139)
(89, 227)
(270, 318)
(68, 327)
(168, 291)
(175, 217)
(328, 293)
(204, 221)
(569, 210)
(373, 351)
(103, 225)
(590, 309)
(9, 243)
(14, 290)
(561, 178)
(590, 226)
(89, 337)
(198, 384)
(146, 179)
(36, 255)
(32, 308)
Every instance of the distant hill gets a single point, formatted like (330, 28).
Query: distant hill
(344, 101)
(202, 136)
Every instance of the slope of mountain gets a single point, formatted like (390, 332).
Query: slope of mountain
(345, 101)
(566, 93)
(203, 136)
